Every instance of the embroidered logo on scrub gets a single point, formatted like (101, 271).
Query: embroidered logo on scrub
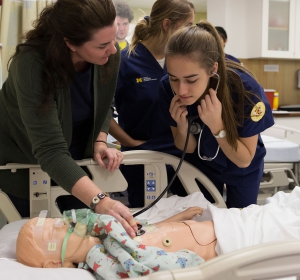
(258, 111)
(144, 79)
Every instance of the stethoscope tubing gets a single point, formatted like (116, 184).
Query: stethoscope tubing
(174, 176)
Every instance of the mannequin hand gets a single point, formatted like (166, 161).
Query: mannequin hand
(120, 212)
(179, 112)
(189, 213)
(210, 112)
(113, 155)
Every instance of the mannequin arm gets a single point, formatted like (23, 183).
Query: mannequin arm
(188, 214)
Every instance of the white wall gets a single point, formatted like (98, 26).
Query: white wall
(233, 16)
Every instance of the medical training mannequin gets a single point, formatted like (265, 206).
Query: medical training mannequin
(120, 256)
(137, 93)
(39, 234)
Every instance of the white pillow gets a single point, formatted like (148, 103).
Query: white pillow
(8, 239)
(12, 270)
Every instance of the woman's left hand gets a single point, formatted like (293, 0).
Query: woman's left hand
(114, 157)
(210, 112)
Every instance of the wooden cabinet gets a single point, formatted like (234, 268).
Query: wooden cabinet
(259, 28)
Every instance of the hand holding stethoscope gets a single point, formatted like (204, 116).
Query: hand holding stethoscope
(210, 112)
(179, 114)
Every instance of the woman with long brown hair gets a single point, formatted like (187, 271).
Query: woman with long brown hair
(229, 108)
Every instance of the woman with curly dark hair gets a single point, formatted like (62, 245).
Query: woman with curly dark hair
(56, 104)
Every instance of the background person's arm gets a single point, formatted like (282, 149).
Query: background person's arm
(117, 132)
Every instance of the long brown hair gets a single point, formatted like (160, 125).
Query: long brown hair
(201, 43)
(151, 26)
(75, 20)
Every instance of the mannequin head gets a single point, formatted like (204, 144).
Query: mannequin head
(39, 244)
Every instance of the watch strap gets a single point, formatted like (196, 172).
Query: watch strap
(97, 199)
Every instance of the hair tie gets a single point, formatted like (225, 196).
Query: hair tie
(147, 19)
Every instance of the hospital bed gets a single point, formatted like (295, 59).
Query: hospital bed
(273, 260)
(267, 261)
(281, 168)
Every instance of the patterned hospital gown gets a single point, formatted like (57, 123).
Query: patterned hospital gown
(123, 257)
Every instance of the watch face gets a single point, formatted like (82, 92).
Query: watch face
(222, 134)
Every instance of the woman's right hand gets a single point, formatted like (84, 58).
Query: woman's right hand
(120, 212)
(179, 113)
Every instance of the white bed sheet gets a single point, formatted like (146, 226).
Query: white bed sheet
(167, 207)
(279, 150)
(278, 219)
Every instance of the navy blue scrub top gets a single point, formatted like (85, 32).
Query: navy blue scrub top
(221, 167)
(82, 101)
(137, 101)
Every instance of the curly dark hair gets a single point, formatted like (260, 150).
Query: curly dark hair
(123, 10)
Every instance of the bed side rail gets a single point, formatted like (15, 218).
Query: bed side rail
(266, 261)
(43, 196)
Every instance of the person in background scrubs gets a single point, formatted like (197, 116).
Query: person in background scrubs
(124, 17)
(224, 39)
(137, 97)
(229, 118)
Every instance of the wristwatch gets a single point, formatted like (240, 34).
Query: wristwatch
(97, 199)
(221, 134)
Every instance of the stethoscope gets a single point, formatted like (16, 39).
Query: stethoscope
(193, 128)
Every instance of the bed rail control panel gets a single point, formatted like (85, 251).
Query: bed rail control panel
(39, 191)
(152, 188)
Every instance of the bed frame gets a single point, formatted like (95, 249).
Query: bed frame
(43, 196)
(280, 175)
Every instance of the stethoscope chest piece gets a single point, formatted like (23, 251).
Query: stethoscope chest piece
(195, 128)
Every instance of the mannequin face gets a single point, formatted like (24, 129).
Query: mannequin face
(47, 240)
(187, 78)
